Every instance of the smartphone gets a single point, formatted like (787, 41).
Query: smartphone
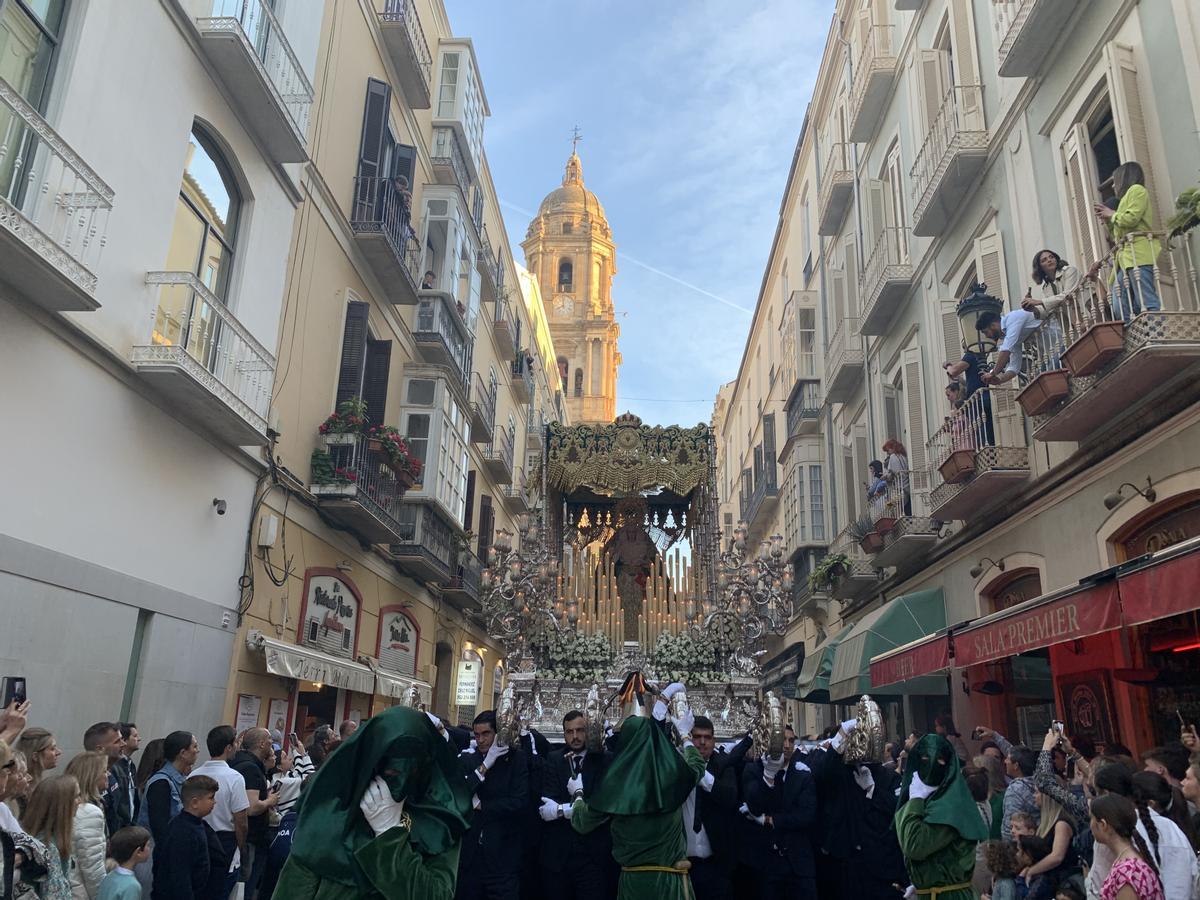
(275, 788)
(295, 740)
(13, 690)
(1057, 726)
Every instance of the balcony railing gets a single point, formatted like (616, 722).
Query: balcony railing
(498, 457)
(441, 336)
(406, 44)
(979, 455)
(837, 189)
(901, 518)
(885, 280)
(951, 156)
(424, 545)
(251, 52)
(365, 495)
(535, 431)
(483, 410)
(764, 498)
(381, 220)
(505, 329)
(1027, 31)
(861, 575)
(449, 162)
(516, 501)
(804, 410)
(204, 361)
(485, 261)
(463, 586)
(54, 211)
(1111, 346)
(844, 360)
(873, 73)
(522, 378)
(807, 602)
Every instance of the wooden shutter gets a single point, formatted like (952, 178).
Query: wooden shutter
(404, 163)
(881, 16)
(354, 352)
(862, 456)
(989, 264)
(914, 400)
(375, 380)
(770, 456)
(891, 412)
(851, 256)
(853, 500)
(837, 285)
(469, 517)
(487, 523)
(877, 222)
(1082, 181)
(374, 128)
(865, 48)
(966, 65)
(1129, 119)
(951, 334)
(932, 66)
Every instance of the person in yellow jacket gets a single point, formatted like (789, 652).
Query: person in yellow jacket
(1130, 226)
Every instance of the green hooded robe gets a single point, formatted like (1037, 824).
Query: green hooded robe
(938, 834)
(642, 794)
(335, 854)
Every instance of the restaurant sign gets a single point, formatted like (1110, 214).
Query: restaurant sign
(911, 662)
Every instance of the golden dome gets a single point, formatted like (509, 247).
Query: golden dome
(573, 197)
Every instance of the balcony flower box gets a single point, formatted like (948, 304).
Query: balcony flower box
(885, 524)
(872, 542)
(1095, 348)
(958, 466)
(1045, 392)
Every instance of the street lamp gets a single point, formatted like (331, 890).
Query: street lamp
(968, 310)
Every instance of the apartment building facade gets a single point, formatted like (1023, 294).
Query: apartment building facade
(405, 311)
(150, 176)
(1008, 583)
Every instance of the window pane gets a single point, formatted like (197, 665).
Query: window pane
(421, 392)
(49, 11)
(25, 54)
(219, 194)
(187, 239)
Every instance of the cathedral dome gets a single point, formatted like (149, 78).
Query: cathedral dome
(573, 197)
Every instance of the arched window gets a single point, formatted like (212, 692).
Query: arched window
(563, 369)
(206, 216)
(566, 274)
(579, 382)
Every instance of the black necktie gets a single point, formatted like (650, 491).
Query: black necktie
(696, 823)
(576, 765)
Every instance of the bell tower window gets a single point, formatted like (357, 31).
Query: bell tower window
(566, 274)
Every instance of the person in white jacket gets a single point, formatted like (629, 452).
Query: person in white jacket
(90, 840)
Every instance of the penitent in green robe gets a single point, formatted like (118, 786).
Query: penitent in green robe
(647, 839)
(389, 863)
(937, 855)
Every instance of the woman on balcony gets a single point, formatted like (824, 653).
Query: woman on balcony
(1056, 280)
(1134, 288)
(896, 470)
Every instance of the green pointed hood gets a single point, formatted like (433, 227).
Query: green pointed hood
(951, 804)
(647, 774)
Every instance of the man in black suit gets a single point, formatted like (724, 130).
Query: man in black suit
(781, 805)
(491, 849)
(573, 866)
(709, 815)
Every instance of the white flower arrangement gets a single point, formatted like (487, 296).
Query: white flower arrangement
(684, 657)
(571, 656)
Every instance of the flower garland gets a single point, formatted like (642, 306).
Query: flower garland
(687, 658)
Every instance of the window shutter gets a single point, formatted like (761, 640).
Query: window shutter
(862, 456)
(1129, 117)
(864, 37)
(989, 263)
(853, 501)
(851, 257)
(837, 282)
(469, 516)
(966, 65)
(769, 455)
(404, 163)
(1081, 194)
(891, 411)
(487, 522)
(375, 380)
(932, 66)
(914, 400)
(876, 214)
(374, 128)
(951, 334)
(354, 351)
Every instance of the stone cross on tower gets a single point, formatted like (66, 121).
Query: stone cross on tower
(576, 137)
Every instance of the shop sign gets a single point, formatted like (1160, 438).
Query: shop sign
(1087, 705)
(330, 616)
(1173, 528)
(921, 659)
(468, 682)
(1068, 618)
(1163, 589)
(398, 643)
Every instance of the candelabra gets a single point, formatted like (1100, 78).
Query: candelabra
(753, 599)
(519, 593)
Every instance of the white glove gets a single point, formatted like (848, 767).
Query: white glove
(475, 804)
(745, 811)
(437, 723)
(494, 752)
(708, 781)
(672, 689)
(919, 790)
(548, 810)
(660, 710)
(771, 767)
(380, 810)
(839, 739)
(575, 784)
(568, 809)
(685, 722)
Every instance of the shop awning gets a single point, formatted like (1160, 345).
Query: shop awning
(812, 684)
(291, 661)
(928, 656)
(1054, 618)
(897, 623)
(389, 684)
(779, 673)
(1167, 585)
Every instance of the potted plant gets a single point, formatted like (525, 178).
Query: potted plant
(1187, 212)
(400, 458)
(958, 466)
(864, 531)
(345, 424)
(1045, 392)
(1095, 348)
(828, 570)
(887, 521)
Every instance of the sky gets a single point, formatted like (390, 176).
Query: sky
(690, 111)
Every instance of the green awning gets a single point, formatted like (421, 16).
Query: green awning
(779, 673)
(812, 685)
(898, 622)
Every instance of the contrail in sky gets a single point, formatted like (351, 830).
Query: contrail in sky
(649, 268)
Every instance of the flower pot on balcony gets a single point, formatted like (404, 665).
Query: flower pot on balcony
(375, 445)
(884, 525)
(872, 542)
(404, 479)
(1095, 348)
(958, 467)
(1045, 392)
(340, 439)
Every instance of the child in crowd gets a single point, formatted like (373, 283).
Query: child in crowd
(1031, 850)
(191, 864)
(1001, 860)
(1022, 823)
(129, 846)
(1069, 892)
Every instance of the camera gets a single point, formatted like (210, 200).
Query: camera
(220, 506)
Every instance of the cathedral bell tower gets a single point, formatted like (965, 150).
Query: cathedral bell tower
(569, 249)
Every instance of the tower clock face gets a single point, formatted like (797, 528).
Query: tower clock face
(564, 305)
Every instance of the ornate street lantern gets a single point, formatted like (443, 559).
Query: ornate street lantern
(968, 310)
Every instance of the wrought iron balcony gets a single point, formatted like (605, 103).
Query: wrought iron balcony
(873, 74)
(54, 211)
(837, 189)
(505, 329)
(803, 410)
(408, 49)
(901, 521)
(462, 588)
(498, 457)
(424, 546)
(885, 280)
(979, 455)
(381, 219)
(1104, 354)
(535, 431)
(763, 499)
(1028, 31)
(247, 46)
(843, 361)
(203, 360)
(365, 495)
(441, 335)
(516, 501)
(810, 603)
(861, 576)
(522, 378)
(951, 157)
(485, 261)
(449, 161)
(483, 410)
